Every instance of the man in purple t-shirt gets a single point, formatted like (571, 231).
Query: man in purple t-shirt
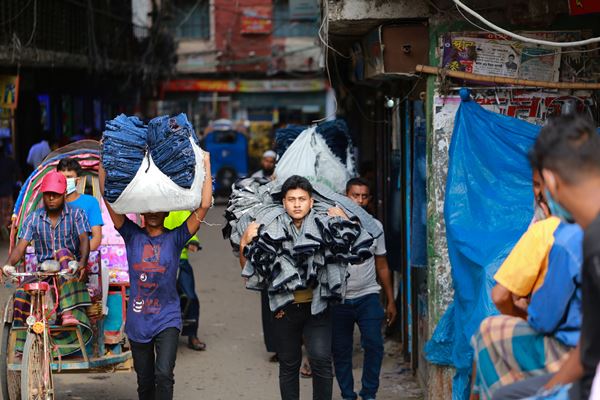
(153, 312)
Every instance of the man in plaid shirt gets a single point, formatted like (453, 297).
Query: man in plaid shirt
(57, 226)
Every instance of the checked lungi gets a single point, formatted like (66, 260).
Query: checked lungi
(507, 350)
(74, 297)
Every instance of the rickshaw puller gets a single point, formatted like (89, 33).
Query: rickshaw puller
(56, 227)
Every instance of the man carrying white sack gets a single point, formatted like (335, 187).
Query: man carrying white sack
(153, 314)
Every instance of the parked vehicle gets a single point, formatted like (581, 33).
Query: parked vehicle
(228, 150)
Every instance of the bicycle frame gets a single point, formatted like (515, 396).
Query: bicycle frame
(37, 322)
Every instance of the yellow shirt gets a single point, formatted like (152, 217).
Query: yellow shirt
(173, 221)
(303, 296)
(525, 268)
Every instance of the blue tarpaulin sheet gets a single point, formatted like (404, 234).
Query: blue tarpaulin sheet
(488, 206)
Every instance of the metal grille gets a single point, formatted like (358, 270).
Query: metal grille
(98, 29)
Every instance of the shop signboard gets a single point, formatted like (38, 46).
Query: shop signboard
(200, 85)
(580, 7)
(257, 20)
(489, 54)
(281, 85)
(245, 86)
(9, 91)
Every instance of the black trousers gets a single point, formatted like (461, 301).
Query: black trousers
(297, 324)
(267, 322)
(154, 363)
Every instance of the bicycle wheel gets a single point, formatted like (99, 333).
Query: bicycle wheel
(10, 381)
(36, 374)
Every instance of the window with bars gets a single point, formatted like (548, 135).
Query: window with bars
(189, 19)
(286, 26)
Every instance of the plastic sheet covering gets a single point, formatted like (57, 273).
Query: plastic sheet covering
(488, 206)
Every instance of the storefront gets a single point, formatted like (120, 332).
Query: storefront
(260, 106)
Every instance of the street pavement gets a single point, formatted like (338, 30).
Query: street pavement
(235, 364)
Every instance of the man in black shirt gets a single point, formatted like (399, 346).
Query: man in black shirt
(567, 152)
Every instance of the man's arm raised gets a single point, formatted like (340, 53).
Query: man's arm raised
(197, 216)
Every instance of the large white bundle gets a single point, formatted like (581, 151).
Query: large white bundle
(310, 157)
(153, 191)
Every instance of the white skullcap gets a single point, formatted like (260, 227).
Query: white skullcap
(269, 153)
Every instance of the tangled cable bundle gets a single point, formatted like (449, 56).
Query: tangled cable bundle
(282, 258)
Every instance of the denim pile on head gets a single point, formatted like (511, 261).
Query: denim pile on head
(127, 140)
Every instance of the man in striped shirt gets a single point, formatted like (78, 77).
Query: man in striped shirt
(58, 226)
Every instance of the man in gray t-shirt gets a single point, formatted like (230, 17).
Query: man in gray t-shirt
(362, 306)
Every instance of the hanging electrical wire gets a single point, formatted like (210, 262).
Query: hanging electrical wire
(524, 38)
(524, 51)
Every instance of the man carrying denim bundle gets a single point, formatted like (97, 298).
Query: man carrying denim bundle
(295, 322)
(154, 311)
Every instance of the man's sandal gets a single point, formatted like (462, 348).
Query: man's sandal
(196, 344)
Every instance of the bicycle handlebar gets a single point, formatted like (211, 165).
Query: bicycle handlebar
(39, 274)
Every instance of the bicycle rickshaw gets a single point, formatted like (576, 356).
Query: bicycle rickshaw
(106, 348)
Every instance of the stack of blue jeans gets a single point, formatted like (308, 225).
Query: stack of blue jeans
(171, 150)
(123, 149)
(126, 141)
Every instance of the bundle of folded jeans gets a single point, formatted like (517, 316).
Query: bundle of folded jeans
(126, 141)
(335, 133)
(170, 147)
(282, 258)
(123, 149)
(284, 137)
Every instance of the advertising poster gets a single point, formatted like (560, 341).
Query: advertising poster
(525, 105)
(9, 91)
(488, 54)
(257, 20)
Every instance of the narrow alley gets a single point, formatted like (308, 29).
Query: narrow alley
(235, 365)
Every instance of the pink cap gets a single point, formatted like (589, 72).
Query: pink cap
(54, 182)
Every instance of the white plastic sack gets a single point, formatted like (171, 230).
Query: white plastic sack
(310, 157)
(153, 191)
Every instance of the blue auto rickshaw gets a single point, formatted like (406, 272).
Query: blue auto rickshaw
(228, 150)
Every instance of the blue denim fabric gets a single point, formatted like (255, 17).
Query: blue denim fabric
(335, 133)
(123, 148)
(126, 140)
(298, 325)
(168, 140)
(186, 284)
(368, 314)
(154, 363)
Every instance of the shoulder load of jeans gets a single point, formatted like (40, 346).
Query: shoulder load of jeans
(321, 153)
(283, 259)
(164, 169)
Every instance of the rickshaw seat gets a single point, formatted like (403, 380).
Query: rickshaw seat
(36, 286)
